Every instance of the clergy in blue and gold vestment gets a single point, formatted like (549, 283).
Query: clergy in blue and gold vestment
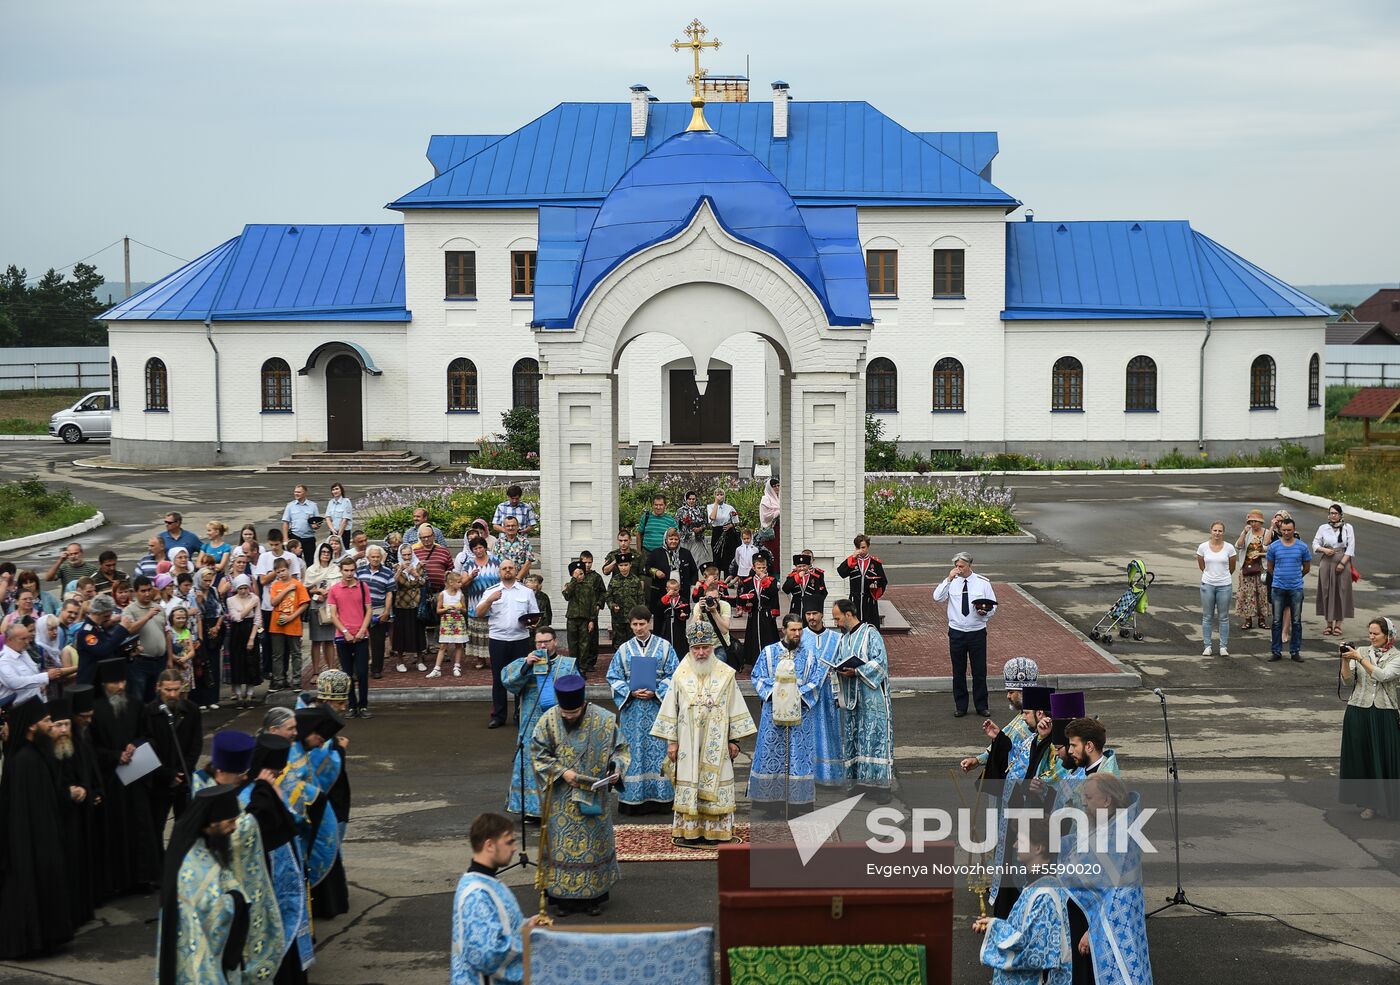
(532, 679)
(1032, 944)
(487, 926)
(204, 915)
(828, 743)
(702, 719)
(644, 787)
(577, 744)
(786, 678)
(865, 700)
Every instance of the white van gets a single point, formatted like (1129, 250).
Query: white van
(90, 417)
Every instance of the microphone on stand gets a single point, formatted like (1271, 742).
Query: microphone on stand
(1158, 691)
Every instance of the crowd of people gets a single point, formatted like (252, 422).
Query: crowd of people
(1272, 563)
(91, 778)
(106, 677)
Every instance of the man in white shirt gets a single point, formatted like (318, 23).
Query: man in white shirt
(508, 636)
(20, 679)
(971, 602)
(264, 575)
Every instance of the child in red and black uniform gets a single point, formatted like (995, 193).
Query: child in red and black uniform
(806, 585)
(672, 613)
(758, 596)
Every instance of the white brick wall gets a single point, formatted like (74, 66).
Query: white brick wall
(917, 330)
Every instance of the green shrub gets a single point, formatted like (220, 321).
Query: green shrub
(27, 507)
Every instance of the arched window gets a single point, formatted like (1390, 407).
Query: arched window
(525, 384)
(461, 384)
(1142, 384)
(157, 386)
(116, 390)
(276, 385)
(947, 384)
(1067, 384)
(1261, 383)
(1314, 380)
(881, 387)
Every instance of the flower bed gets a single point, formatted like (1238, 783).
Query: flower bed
(966, 506)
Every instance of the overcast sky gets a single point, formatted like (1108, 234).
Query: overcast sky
(1273, 125)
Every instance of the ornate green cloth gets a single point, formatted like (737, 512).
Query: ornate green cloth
(828, 964)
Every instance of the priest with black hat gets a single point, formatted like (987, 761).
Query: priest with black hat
(75, 793)
(317, 759)
(36, 914)
(581, 756)
(204, 914)
(270, 797)
(131, 844)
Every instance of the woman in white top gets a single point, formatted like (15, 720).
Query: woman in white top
(1370, 766)
(318, 579)
(1216, 558)
(1334, 545)
(339, 516)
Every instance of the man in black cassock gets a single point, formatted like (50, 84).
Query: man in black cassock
(35, 912)
(177, 736)
(130, 856)
(84, 835)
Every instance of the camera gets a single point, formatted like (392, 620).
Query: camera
(711, 603)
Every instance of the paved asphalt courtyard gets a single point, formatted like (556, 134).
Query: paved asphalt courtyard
(421, 772)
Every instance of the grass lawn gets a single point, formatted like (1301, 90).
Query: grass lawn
(1371, 489)
(28, 411)
(27, 507)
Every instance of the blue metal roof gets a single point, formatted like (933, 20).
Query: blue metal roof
(446, 151)
(284, 273)
(974, 150)
(837, 153)
(659, 196)
(1148, 269)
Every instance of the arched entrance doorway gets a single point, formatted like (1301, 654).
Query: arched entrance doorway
(702, 287)
(345, 428)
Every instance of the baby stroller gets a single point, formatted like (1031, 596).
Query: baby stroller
(1122, 615)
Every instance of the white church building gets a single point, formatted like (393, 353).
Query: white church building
(876, 259)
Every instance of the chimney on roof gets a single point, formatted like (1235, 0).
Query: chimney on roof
(641, 104)
(781, 98)
(1030, 215)
(1395, 305)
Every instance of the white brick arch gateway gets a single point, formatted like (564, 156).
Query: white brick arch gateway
(701, 287)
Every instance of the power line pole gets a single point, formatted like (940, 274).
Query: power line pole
(126, 263)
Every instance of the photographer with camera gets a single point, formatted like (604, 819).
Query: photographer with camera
(100, 636)
(1370, 760)
(711, 607)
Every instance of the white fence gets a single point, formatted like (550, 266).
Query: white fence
(53, 367)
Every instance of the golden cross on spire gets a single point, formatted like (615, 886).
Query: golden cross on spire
(696, 32)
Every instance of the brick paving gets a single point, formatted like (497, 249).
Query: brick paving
(1019, 628)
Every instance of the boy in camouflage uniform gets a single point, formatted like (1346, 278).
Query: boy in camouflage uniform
(624, 591)
(600, 592)
(584, 598)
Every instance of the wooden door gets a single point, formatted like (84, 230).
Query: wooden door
(344, 405)
(697, 419)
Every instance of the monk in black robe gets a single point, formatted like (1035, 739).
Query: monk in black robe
(35, 912)
(84, 837)
(131, 848)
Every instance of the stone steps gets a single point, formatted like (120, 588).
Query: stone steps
(705, 459)
(354, 462)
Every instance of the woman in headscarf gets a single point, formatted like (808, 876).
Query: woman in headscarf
(1334, 546)
(244, 621)
(695, 529)
(318, 579)
(1252, 600)
(770, 509)
(409, 638)
(1370, 766)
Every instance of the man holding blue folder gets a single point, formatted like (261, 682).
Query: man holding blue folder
(640, 674)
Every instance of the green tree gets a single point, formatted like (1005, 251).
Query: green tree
(55, 310)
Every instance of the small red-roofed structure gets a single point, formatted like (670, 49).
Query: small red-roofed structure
(1373, 403)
